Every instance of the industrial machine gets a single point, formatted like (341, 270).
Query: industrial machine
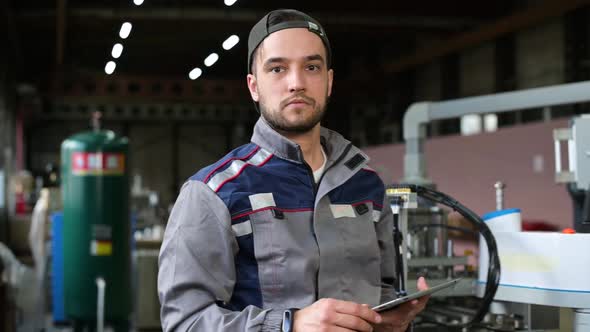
(524, 277)
(577, 177)
(96, 230)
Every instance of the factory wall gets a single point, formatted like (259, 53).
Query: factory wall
(428, 82)
(540, 55)
(196, 152)
(167, 155)
(45, 140)
(539, 58)
(466, 167)
(151, 158)
(477, 72)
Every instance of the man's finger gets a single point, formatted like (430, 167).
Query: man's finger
(422, 285)
(352, 322)
(354, 309)
(341, 329)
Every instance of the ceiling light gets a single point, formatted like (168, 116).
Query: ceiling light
(211, 59)
(110, 67)
(138, 2)
(195, 73)
(125, 30)
(229, 2)
(230, 42)
(117, 50)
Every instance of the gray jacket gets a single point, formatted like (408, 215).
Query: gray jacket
(253, 235)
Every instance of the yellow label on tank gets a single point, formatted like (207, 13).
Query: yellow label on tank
(101, 248)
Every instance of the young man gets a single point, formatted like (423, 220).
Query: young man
(290, 232)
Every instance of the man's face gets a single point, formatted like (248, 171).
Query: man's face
(291, 81)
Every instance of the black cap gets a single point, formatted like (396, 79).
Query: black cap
(261, 30)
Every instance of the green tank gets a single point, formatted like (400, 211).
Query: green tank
(96, 232)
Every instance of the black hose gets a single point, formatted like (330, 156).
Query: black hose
(493, 278)
(397, 244)
(417, 228)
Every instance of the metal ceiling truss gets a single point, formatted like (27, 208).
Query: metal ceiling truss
(249, 16)
(150, 89)
(535, 15)
(79, 109)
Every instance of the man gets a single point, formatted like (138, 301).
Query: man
(289, 232)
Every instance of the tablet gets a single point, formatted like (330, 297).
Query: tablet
(394, 303)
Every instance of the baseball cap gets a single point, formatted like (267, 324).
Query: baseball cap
(261, 30)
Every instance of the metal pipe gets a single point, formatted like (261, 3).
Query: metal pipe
(101, 286)
(421, 113)
(499, 195)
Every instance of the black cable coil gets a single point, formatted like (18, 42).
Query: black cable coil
(493, 278)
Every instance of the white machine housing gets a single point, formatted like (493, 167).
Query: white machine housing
(541, 268)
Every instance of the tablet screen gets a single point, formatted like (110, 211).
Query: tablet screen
(394, 303)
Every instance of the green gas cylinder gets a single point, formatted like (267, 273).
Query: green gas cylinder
(96, 225)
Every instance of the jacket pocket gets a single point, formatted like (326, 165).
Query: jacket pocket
(270, 255)
(287, 257)
(358, 233)
(360, 254)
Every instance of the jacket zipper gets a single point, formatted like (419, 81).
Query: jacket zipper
(342, 155)
(310, 172)
(313, 183)
(315, 192)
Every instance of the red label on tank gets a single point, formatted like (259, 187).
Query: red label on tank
(98, 163)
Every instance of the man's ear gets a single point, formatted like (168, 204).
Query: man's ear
(330, 80)
(253, 87)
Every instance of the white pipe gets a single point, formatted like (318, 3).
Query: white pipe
(418, 115)
(101, 286)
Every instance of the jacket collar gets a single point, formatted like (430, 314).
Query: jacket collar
(267, 138)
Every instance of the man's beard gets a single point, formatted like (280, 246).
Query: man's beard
(277, 121)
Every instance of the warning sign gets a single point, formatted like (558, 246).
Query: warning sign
(98, 163)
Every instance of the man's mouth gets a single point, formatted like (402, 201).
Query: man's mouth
(298, 102)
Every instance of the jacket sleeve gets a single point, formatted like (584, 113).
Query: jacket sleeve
(385, 238)
(197, 271)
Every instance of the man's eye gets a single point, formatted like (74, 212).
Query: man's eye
(313, 67)
(276, 69)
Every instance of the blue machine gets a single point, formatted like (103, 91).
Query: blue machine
(57, 269)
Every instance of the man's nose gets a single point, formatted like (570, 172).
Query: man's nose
(296, 81)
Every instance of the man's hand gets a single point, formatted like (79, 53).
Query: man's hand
(398, 319)
(330, 315)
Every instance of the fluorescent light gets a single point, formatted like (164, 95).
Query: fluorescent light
(138, 2)
(230, 42)
(195, 73)
(211, 59)
(117, 50)
(110, 67)
(229, 2)
(125, 30)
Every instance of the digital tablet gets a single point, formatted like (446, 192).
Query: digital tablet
(394, 303)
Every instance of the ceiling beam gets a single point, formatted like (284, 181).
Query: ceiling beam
(150, 89)
(535, 15)
(60, 32)
(249, 16)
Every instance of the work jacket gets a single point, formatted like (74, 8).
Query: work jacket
(253, 235)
